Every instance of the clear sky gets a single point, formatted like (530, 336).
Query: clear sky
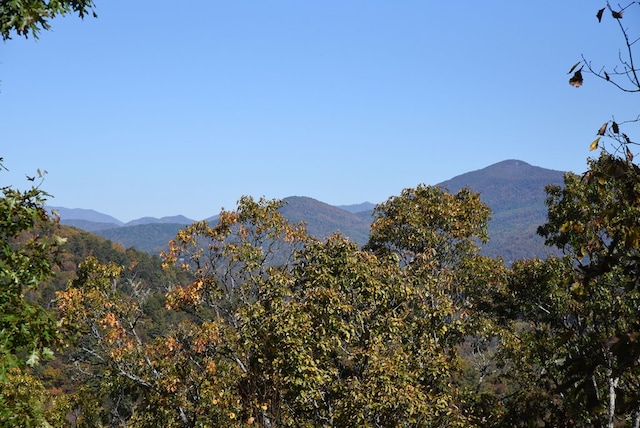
(160, 108)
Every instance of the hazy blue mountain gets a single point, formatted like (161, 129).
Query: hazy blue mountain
(323, 219)
(357, 208)
(176, 219)
(89, 226)
(85, 214)
(151, 238)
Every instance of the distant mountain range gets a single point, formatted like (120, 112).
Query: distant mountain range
(513, 189)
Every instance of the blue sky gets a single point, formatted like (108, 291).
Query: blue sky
(160, 108)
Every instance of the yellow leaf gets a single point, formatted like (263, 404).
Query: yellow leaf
(594, 144)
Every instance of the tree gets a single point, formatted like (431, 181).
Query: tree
(428, 219)
(281, 329)
(28, 332)
(574, 320)
(30, 17)
(595, 220)
(28, 256)
(193, 372)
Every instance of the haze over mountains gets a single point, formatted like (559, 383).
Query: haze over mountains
(513, 189)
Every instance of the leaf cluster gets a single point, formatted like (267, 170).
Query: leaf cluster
(29, 17)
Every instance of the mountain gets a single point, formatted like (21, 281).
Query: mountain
(357, 208)
(513, 189)
(151, 238)
(85, 217)
(87, 225)
(176, 219)
(515, 192)
(148, 234)
(322, 219)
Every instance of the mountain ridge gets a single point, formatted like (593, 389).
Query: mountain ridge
(512, 188)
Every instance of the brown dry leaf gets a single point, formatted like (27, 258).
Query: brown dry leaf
(606, 76)
(616, 15)
(603, 128)
(576, 80)
(599, 14)
(629, 154)
(614, 128)
(609, 342)
(574, 67)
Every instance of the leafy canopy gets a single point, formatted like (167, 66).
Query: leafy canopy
(29, 17)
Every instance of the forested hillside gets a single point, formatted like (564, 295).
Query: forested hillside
(515, 192)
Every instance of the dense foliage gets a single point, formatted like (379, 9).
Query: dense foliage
(28, 331)
(253, 321)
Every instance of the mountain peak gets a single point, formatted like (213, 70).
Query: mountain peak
(84, 215)
(511, 170)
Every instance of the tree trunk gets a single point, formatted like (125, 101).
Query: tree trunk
(613, 385)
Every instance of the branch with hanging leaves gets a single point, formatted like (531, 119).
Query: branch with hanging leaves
(625, 79)
(629, 69)
(611, 129)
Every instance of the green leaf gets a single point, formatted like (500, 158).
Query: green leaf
(33, 358)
